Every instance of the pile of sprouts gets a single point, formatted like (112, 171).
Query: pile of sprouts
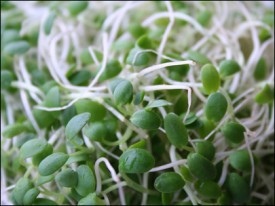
(137, 103)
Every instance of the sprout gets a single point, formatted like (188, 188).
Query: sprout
(210, 78)
(85, 181)
(175, 130)
(169, 182)
(52, 163)
(136, 161)
(216, 107)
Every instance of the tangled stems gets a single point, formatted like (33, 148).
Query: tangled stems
(145, 87)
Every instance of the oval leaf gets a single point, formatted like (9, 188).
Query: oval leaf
(76, 124)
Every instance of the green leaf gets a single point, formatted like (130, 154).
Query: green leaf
(76, 124)
(175, 130)
(76, 7)
(198, 57)
(169, 182)
(30, 196)
(96, 110)
(208, 189)
(52, 163)
(15, 129)
(240, 160)
(266, 95)
(146, 119)
(216, 107)
(32, 148)
(86, 180)
(238, 188)
(67, 178)
(136, 160)
(228, 68)
(48, 24)
(201, 167)
(210, 78)
(18, 47)
(91, 199)
(21, 187)
(158, 103)
(123, 92)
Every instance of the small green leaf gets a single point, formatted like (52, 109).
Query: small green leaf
(96, 110)
(76, 124)
(136, 160)
(210, 78)
(76, 7)
(146, 119)
(15, 129)
(208, 189)
(228, 68)
(86, 180)
(18, 47)
(6, 78)
(96, 131)
(158, 103)
(67, 178)
(91, 199)
(43, 180)
(123, 92)
(233, 132)
(36, 159)
(216, 107)
(169, 182)
(136, 58)
(238, 188)
(204, 18)
(260, 70)
(30, 196)
(198, 57)
(112, 69)
(21, 187)
(175, 130)
(32, 148)
(206, 149)
(201, 167)
(52, 163)
(48, 24)
(266, 95)
(139, 97)
(136, 30)
(140, 144)
(240, 160)
(144, 42)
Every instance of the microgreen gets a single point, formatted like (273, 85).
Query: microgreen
(85, 180)
(233, 132)
(175, 130)
(67, 178)
(169, 182)
(32, 148)
(238, 188)
(210, 78)
(201, 167)
(136, 161)
(146, 119)
(52, 163)
(216, 107)
(76, 124)
(228, 68)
